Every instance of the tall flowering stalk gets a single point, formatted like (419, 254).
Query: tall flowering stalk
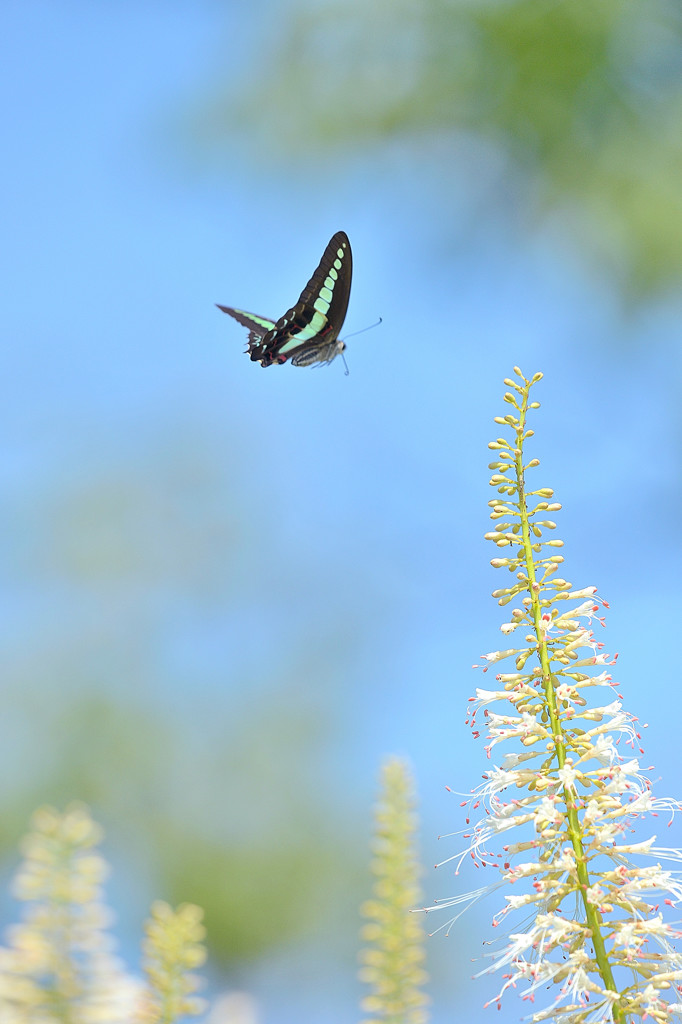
(173, 948)
(393, 960)
(59, 966)
(564, 797)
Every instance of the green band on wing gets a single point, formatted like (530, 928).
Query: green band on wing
(260, 320)
(318, 321)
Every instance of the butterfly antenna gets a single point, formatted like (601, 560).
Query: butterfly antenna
(371, 327)
(354, 335)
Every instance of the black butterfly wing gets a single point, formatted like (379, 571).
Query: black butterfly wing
(336, 267)
(258, 326)
(308, 331)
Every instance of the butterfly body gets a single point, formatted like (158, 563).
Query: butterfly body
(308, 333)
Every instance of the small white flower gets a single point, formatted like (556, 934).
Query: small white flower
(567, 776)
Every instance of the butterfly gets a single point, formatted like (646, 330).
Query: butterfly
(308, 332)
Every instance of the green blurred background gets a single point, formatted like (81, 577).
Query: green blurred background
(228, 592)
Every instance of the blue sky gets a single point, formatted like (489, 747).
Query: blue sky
(359, 502)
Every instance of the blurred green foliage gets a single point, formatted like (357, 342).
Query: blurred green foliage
(135, 679)
(567, 115)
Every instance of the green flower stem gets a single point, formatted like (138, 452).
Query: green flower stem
(591, 912)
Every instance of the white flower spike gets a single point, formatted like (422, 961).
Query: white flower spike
(566, 796)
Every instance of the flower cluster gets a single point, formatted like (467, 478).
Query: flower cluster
(59, 965)
(563, 799)
(393, 961)
(173, 949)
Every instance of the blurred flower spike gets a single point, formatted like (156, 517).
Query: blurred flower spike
(173, 949)
(393, 960)
(562, 802)
(59, 966)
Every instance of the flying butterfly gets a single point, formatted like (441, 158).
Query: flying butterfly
(308, 332)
